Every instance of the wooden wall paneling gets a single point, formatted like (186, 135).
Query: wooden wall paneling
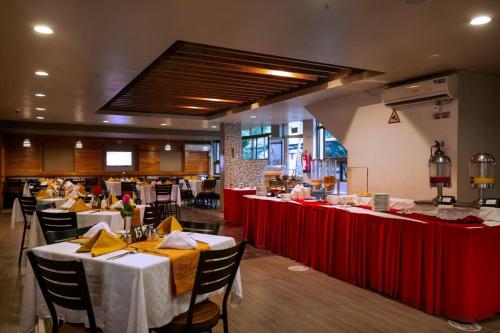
(196, 162)
(149, 159)
(88, 160)
(21, 161)
(2, 171)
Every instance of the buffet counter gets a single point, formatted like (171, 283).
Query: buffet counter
(440, 267)
(232, 203)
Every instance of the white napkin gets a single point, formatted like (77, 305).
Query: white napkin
(68, 204)
(72, 194)
(93, 231)
(178, 240)
(117, 205)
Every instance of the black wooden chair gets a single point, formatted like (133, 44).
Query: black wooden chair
(37, 188)
(151, 215)
(52, 237)
(200, 227)
(63, 283)
(131, 189)
(206, 198)
(163, 201)
(216, 269)
(187, 194)
(89, 183)
(28, 208)
(56, 222)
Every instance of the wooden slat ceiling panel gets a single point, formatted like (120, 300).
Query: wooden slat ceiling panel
(201, 80)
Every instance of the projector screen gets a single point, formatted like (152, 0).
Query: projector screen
(118, 158)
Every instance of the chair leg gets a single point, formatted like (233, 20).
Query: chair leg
(22, 246)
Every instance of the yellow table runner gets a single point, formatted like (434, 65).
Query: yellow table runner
(184, 263)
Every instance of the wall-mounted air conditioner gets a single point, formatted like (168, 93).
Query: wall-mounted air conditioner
(442, 88)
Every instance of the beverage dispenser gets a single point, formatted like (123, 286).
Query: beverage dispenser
(439, 170)
(329, 179)
(317, 172)
(482, 173)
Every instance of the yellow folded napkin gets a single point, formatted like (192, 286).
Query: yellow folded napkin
(79, 206)
(103, 242)
(132, 179)
(114, 199)
(144, 183)
(168, 182)
(41, 180)
(168, 225)
(43, 194)
(111, 180)
(184, 263)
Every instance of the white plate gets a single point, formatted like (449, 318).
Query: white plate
(310, 200)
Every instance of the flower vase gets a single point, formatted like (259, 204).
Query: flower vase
(128, 222)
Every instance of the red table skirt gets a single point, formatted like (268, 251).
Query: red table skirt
(439, 267)
(232, 204)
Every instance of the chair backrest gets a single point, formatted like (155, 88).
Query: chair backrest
(209, 185)
(28, 206)
(56, 221)
(200, 227)
(151, 216)
(216, 269)
(128, 187)
(63, 283)
(52, 237)
(188, 185)
(37, 188)
(165, 189)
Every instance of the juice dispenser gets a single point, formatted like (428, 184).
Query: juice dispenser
(317, 172)
(439, 170)
(482, 173)
(329, 178)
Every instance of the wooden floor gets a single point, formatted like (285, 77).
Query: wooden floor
(275, 299)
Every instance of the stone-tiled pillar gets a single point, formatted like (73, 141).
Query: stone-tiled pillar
(234, 169)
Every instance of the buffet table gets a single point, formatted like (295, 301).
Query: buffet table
(232, 203)
(440, 267)
(129, 295)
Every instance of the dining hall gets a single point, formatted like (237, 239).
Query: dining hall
(249, 166)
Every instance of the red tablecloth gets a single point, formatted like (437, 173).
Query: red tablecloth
(232, 204)
(439, 267)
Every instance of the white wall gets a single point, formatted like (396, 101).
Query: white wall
(395, 154)
(479, 127)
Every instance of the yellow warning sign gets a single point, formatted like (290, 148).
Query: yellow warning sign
(394, 117)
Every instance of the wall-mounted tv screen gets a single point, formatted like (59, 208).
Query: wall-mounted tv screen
(118, 158)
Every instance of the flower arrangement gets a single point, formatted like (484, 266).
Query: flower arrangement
(128, 206)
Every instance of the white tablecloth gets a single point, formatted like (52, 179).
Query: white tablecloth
(129, 295)
(394, 203)
(17, 213)
(84, 219)
(114, 188)
(197, 186)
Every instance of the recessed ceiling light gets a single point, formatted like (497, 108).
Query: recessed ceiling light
(163, 124)
(39, 95)
(480, 20)
(105, 121)
(193, 107)
(40, 109)
(214, 126)
(253, 117)
(43, 29)
(40, 118)
(41, 73)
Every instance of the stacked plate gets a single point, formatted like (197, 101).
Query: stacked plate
(380, 202)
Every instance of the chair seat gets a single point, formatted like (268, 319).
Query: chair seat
(205, 316)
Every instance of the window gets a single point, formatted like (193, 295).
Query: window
(118, 158)
(216, 157)
(256, 130)
(276, 153)
(327, 145)
(294, 155)
(255, 147)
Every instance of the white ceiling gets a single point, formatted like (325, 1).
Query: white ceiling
(101, 45)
